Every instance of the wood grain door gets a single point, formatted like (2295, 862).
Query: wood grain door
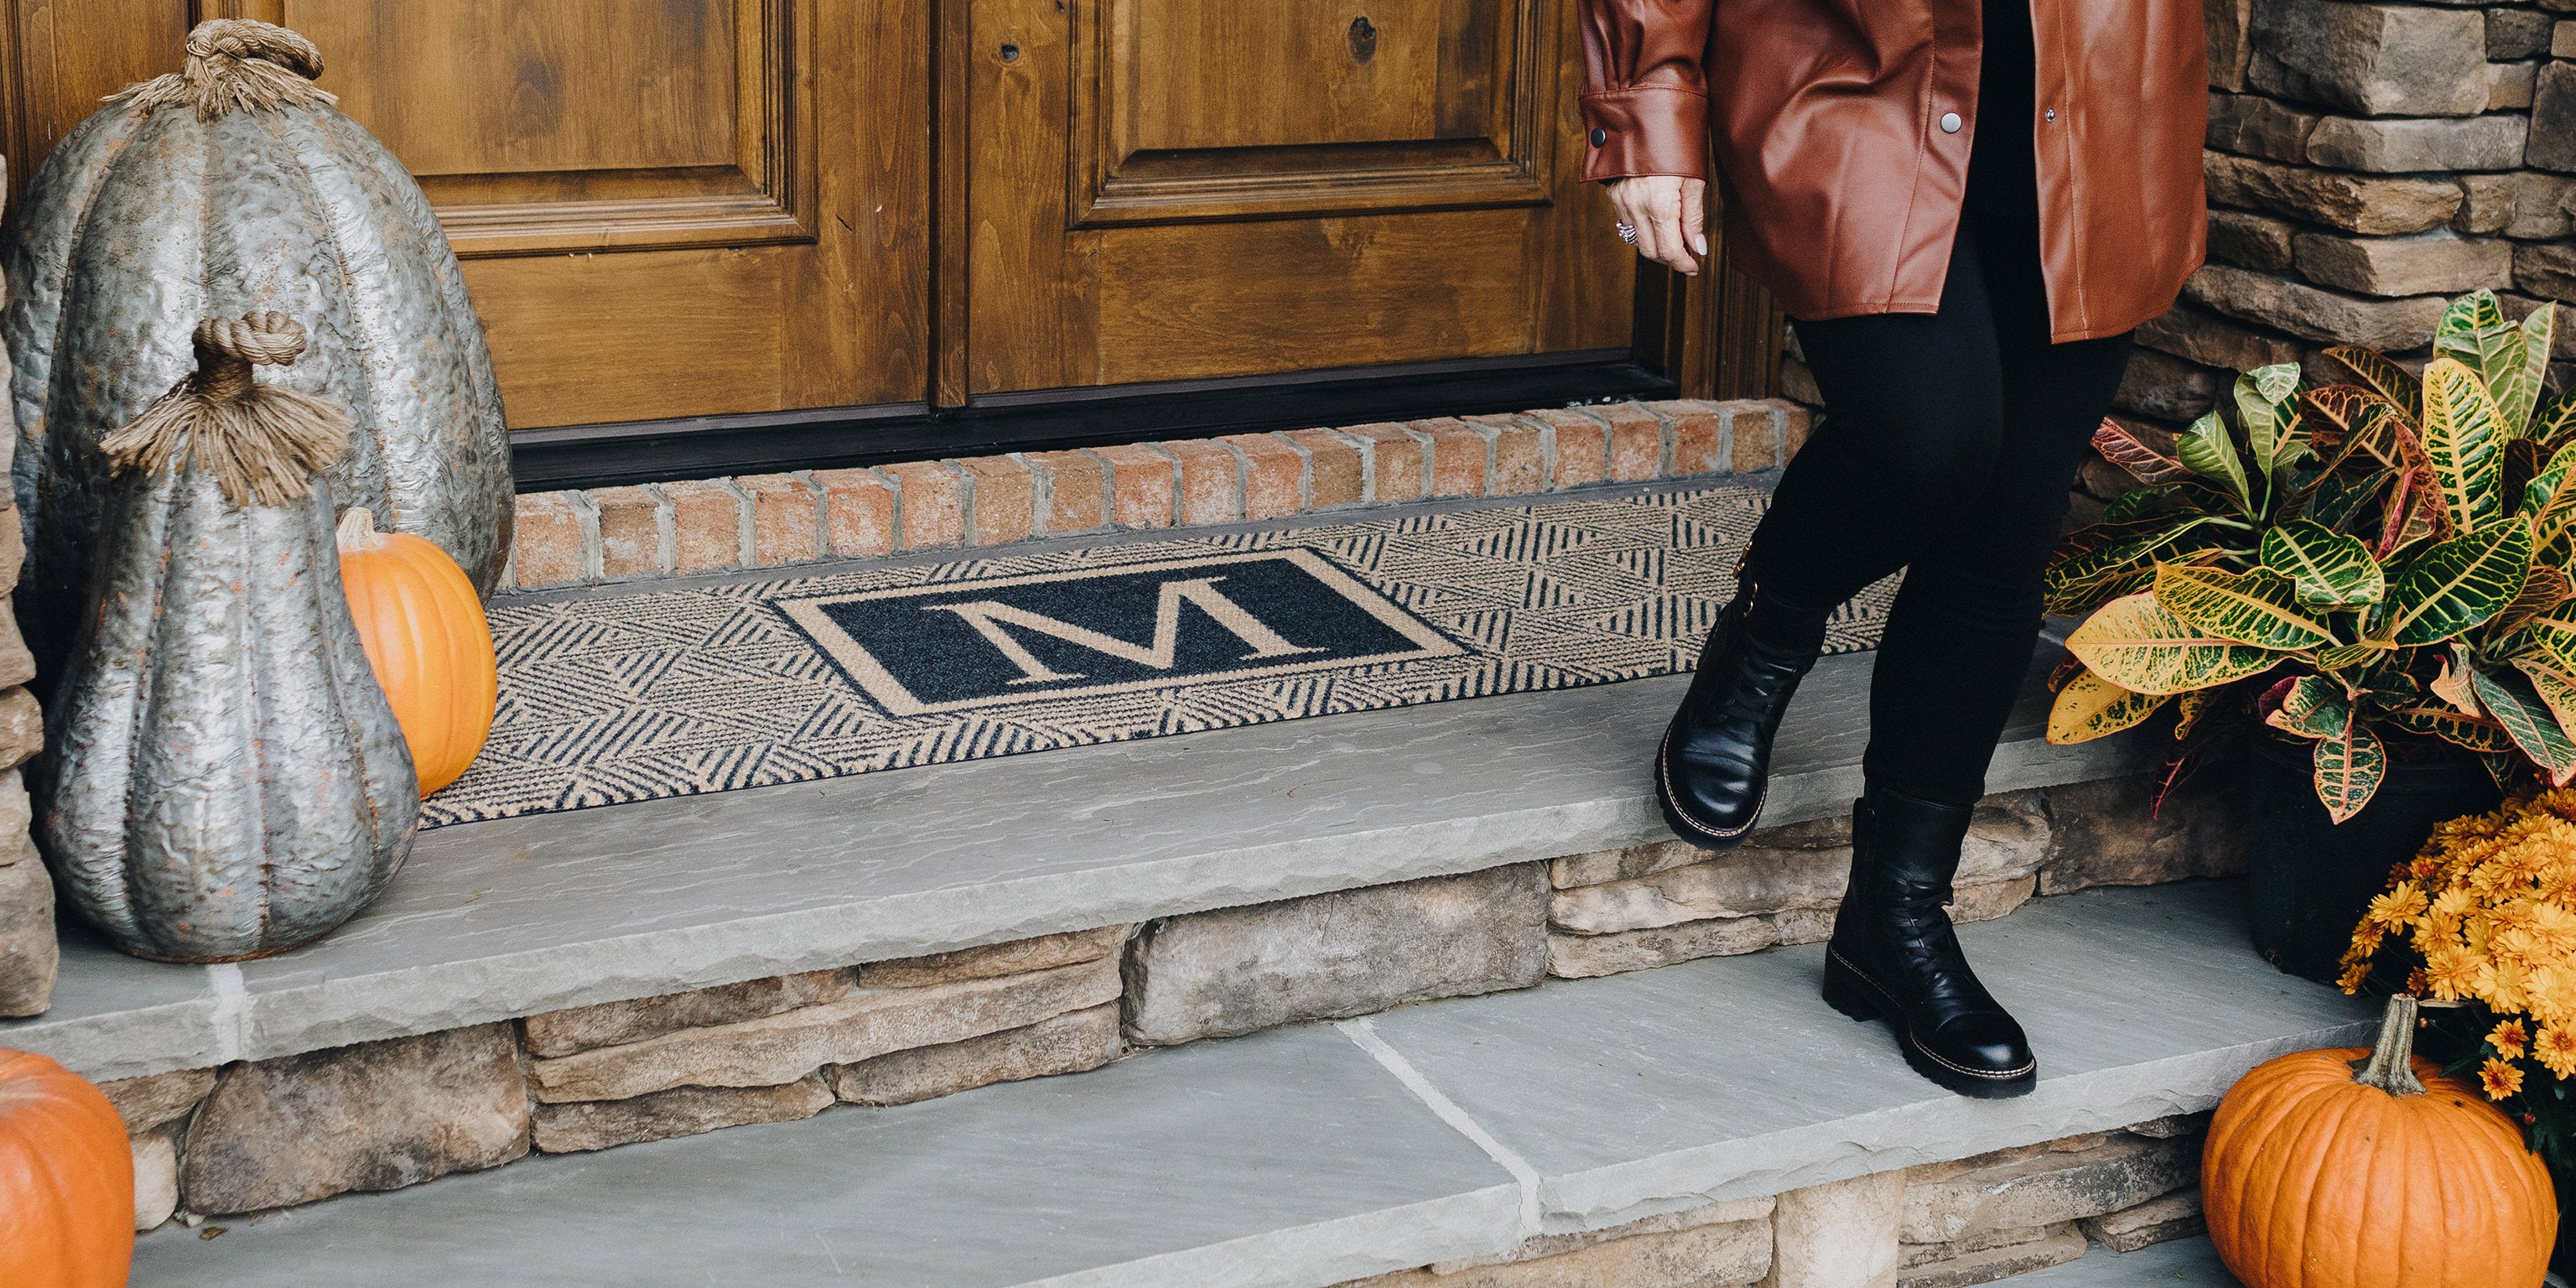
(665, 208)
(1154, 190)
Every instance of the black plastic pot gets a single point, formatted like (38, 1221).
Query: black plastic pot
(2312, 878)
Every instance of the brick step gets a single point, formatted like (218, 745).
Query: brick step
(1687, 1124)
(498, 920)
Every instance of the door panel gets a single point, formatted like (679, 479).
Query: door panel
(1169, 189)
(652, 222)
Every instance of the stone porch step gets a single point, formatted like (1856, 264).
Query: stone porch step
(502, 919)
(2183, 1263)
(1321, 1153)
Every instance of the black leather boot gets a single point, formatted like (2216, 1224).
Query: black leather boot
(1894, 957)
(1714, 765)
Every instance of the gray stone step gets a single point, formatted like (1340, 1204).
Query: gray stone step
(495, 920)
(2183, 1263)
(1311, 1155)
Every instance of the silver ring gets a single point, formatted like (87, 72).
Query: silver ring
(1627, 233)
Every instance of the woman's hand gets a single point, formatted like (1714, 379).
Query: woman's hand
(1670, 214)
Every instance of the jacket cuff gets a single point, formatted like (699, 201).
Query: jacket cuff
(1646, 129)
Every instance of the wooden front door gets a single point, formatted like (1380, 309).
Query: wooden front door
(664, 207)
(1152, 190)
(691, 208)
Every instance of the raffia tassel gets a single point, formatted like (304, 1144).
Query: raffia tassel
(236, 64)
(261, 443)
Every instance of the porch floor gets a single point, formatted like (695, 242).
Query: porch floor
(1319, 1153)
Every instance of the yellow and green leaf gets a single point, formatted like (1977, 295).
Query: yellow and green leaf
(2464, 438)
(2510, 697)
(2543, 588)
(2093, 566)
(2557, 689)
(2455, 585)
(2208, 451)
(2258, 607)
(2451, 726)
(2134, 643)
(2091, 707)
(2519, 392)
(2326, 567)
(2312, 707)
(2349, 767)
(2344, 657)
(2266, 404)
(2550, 636)
(2555, 423)
(2126, 448)
(2383, 377)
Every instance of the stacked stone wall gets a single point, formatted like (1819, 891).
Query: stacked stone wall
(28, 954)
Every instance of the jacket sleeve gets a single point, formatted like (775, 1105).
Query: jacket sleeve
(1645, 97)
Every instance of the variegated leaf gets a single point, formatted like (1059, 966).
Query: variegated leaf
(2550, 500)
(2450, 726)
(2464, 439)
(2344, 657)
(2555, 423)
(2125, 448)
(2550, 636)
(2258, 607)
(2312, 707)
(2543, 588)
(2349, 767)
(2093, 566)
(2457, 682)
(2325, 566)
(2091, 707)
(2135, 504)
(2136, 644)
(2456, 585)
(2264, 406)
(2556, 688)
(2383, 377)
(2341, 416)
(2510, 698)
(2518, 389)
(2189, 708)
(2335, 501)
(2211, 454)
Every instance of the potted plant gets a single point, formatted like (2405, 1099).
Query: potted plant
(2482, 924)
(2371, 576)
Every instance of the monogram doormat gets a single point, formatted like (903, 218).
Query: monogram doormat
(613, 698)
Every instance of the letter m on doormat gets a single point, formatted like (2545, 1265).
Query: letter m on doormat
(1078, 632)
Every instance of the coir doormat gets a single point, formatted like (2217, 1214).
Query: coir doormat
(624, 697)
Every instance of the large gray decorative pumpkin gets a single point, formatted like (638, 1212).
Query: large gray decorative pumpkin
(226, 780)
(233, 187)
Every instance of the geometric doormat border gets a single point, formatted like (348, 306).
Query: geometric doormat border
(616, 698)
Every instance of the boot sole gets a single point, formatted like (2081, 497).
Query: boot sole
(1682, 824)
(1856, 995)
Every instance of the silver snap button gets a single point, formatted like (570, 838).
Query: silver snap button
(2052, 114)
(1949, 122)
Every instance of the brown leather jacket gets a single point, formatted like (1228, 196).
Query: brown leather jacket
(1842, 128)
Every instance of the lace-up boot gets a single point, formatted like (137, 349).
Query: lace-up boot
(1894, 957)
(1714, 766)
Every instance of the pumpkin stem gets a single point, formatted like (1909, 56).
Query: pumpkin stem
(358, 530)
(236, 64)
(2391, 1064)
(261, 443)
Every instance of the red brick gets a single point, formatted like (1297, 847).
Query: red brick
(1457, 456)
(1075, 484)
(1395, 461)
(1582, 446)
(1757, 433)
(858, 513)
(1698, 443)
(1801, 422)
(546, 543)
(933, 504)
(1141, 490)
(786, 524)
(1636, 441)
(1520, 458)
(1333, 474)
(1209, 490)
(1274, 476)
(706, 525)
(1005, 499)
(630, 531)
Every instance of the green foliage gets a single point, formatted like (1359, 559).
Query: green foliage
(2394, 552)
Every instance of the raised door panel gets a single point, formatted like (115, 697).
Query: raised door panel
(1166, 190)
(666, 208)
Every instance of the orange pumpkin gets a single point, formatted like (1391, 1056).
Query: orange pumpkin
(2369, 1169)
(66, 1180)
(426, 639)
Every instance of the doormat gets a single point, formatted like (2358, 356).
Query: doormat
(615, 698)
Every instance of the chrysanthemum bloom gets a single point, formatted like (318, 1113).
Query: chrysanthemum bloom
(2399, 906)
(2510, 1040)
(2499, 1079)
(2555, 1048)
(2451, 971)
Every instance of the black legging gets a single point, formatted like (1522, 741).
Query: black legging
(1948, 446)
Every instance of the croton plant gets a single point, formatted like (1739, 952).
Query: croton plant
(2391, 552)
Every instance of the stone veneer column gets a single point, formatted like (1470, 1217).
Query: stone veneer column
(27, 951)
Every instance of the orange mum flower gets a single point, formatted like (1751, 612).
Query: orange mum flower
(2510, 1040)
(2555, 1047)
(2403, 903)
(2499, 1079)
